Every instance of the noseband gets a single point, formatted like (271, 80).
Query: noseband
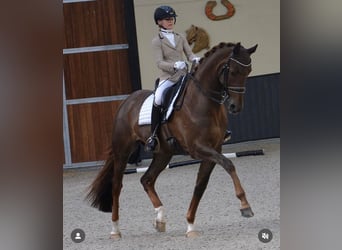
(223, 95)
(225, 73)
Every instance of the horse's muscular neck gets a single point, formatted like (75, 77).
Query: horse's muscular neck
(207, 76)
(208, 72)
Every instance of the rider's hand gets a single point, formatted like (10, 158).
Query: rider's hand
(179, 65)
(196, 59)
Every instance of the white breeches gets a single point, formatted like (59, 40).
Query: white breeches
(158, 95)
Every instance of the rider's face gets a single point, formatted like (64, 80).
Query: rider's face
(167, 23)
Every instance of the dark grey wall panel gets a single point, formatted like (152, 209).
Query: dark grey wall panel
(260, 118)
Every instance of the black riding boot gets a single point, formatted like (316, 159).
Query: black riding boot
(152, 141)
(227, 136)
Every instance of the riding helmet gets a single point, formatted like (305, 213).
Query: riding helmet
(163, 12)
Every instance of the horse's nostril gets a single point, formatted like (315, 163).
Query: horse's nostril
(232, 106)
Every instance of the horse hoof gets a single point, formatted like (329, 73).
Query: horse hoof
(247, 212)
(116, 236)
(192, 234)
(160, 226)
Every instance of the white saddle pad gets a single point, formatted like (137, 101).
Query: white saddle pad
(146, 109)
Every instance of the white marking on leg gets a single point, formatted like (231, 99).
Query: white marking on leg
(115, 228)
(160, 214)
(191, 228)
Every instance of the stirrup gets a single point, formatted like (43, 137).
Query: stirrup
(152, 144)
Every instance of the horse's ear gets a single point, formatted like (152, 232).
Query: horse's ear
(253, 49)
(236, 49)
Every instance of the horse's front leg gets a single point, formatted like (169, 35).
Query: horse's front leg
(201, 184)
(227, 164)
(210, 154)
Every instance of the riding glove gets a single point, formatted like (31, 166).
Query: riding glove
(179, 65)
(196, 59)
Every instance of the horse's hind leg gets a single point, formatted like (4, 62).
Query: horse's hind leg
(118, 172)
(148, 180)
(203, 176)
(120, 161)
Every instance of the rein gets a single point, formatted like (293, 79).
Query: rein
(211, 94)
(221, 97)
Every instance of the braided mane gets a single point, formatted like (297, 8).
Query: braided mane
(212, 51)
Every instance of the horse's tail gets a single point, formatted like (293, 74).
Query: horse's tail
(100, 194)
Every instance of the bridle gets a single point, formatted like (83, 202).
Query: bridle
(223, 95)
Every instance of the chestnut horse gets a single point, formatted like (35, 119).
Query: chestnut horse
(216, 84)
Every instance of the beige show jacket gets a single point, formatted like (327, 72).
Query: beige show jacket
(166, 55)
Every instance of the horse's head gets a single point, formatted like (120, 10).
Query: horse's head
(223, 72)
(233, 73)
(191, 34)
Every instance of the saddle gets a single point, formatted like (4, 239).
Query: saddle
(171, 96)
(172, 100)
